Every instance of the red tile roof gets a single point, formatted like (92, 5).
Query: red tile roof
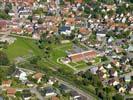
(70, 21)
(3, 23)
(82, 55)
(84, 30)
(54, 98)
(79, 1)
(11, 91)
(6, 82)
(76, 57)
(16, 30)
(89, 54)
(38, 75)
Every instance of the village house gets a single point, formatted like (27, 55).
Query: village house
(127, 78)
(84, 31)
(131, 89)
(100, 35)
(11, 91)
(94, 70)
(21, 75)
(29, 83)
(12, 13)
(6, 83)
(38, 77)
(122, 89)
(113, 73)
(17, 30)
(49, 92)
(24, 14)
(113, 82)
(54, 98)
(85, 55)
(102, 69)
(130, 48)
(66, 30)
(52, 80)
(26, 94)
(3, 25)
(102, 75)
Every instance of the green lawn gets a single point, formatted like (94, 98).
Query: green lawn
(59, 51)
(97, 59)
(73, 64)
(22, 47)
(78, 65)
(81, 65)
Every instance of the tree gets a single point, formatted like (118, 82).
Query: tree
(30, 18)
(40, 21)
(34, 60)
(87, 1)
(107, 1)
(38, 11)
(121, 9)
(118, 97)
(3, 58)
(8, 7)
(4, 15)
(104, 58)
(110, 13)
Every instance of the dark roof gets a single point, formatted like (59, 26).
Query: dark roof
(17, 72)
(1, 98)
(26, 91)
(64, 28)
(63, 87)
(49, 90)
(26, 95)
(74, 93)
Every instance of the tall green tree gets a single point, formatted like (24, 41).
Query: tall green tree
(118, 97)
(3, 58)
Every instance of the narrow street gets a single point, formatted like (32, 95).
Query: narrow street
(39, 96)
(88, 96)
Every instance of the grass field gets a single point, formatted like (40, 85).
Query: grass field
(22, 47)
(59, 51)
(78, 65)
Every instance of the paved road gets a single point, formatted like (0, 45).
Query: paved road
(89, 97)
(39, 96)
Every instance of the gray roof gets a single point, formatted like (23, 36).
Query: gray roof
(1, 98)
(130, 48)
